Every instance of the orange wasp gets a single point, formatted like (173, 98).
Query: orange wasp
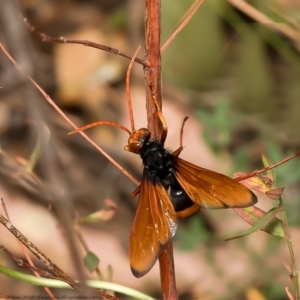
(170, 188)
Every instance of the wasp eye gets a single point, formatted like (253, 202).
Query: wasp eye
(133, 147)
(136, 146)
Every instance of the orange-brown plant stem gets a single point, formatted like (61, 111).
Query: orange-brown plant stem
(153, 72)
(167, 273)
(153, 92)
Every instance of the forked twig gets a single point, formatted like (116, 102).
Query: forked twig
(55, 271)
(26, 254)
(62, 40)
(41, 256)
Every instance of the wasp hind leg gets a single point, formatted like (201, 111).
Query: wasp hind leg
(179, 150)
(163, 122)
(165, 130)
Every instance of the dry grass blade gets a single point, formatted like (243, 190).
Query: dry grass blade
(186, 19)
(263, 19)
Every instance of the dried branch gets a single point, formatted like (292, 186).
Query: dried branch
(62, 40)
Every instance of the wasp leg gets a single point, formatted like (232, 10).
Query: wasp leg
(135, 192)
(163, 122)
(179, 150)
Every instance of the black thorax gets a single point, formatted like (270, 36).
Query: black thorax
(159, 167)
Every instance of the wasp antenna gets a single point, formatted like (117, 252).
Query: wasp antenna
(100, 123)
(128, 88)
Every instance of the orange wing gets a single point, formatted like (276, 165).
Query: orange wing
(155, 223)
(210, 189)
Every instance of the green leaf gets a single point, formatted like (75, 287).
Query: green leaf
(54, 283)
(91, 261)
(102, 215)
(264, 221)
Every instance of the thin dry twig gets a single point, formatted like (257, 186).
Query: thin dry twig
(62, 40)
(52, 103)
(55, 271)
(257, 172)
(31, 264)
(41, 256)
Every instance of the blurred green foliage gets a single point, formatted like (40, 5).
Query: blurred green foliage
(219, 124)
(192, 234)
(118, 19)
(248, 81)
(222, 51)
(194, 57)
